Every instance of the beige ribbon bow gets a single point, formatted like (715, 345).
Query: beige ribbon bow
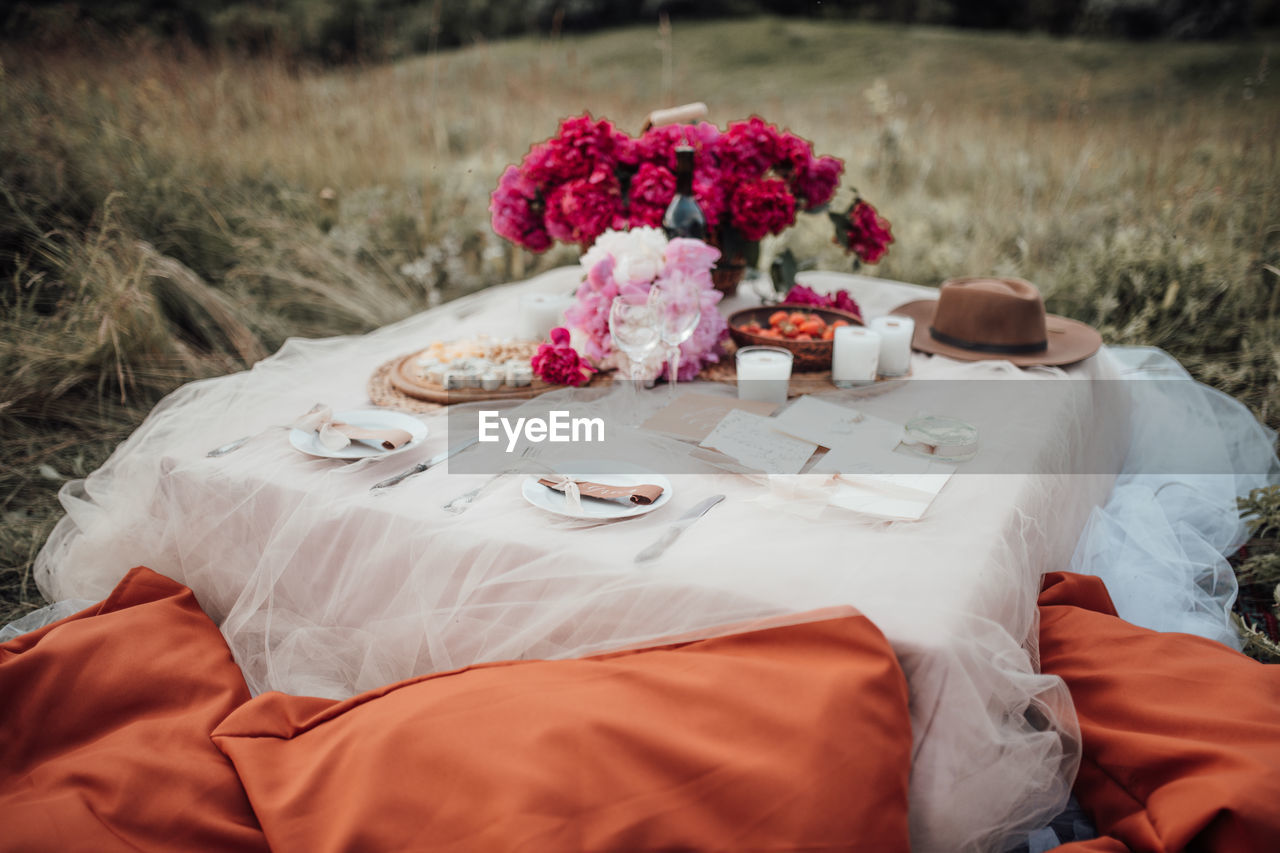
(566, 484)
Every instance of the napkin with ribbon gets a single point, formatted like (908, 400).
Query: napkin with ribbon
(641, 495)
(335, 435)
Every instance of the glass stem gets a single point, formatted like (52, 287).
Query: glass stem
(673, 371)
(635, 366)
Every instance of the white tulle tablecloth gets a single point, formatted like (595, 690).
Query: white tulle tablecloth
(322, 588)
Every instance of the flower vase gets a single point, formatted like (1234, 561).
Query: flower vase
(735, 256)
(728, 273)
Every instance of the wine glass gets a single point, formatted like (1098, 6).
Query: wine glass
(634, 328)
(677, 304)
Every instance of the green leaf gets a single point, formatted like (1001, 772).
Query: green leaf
(783, 271)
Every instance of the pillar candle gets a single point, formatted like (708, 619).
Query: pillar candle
(854, 356)
(895, 343)
(542, 312)
(764, 373)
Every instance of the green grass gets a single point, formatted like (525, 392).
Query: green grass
(167, 216)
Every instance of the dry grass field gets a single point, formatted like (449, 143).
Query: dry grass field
(167, 215)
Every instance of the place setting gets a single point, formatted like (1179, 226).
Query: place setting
(350, 435)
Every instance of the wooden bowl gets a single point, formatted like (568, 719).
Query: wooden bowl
(807, 355)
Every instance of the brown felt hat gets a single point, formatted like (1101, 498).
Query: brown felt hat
(997, 318)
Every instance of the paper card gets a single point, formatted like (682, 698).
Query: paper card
(693, 416)
(751, 439)
(831, 425)
(883, 483)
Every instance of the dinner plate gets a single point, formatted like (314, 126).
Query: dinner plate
(309, 442)
(607, 473)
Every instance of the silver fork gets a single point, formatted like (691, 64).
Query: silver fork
(527, 463)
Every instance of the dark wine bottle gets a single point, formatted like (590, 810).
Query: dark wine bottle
(683, 217)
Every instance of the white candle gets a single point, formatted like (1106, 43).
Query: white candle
(895, 344)
(763, 374)
(854, 356)
(540, 313)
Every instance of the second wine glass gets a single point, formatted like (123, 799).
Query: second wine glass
(678, 306)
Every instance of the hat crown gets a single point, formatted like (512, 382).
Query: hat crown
(991, 312)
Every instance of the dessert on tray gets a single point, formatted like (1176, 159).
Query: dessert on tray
(479, 368)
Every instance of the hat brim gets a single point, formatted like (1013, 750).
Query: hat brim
(1069, 340)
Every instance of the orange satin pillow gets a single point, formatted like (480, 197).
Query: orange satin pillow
(1181, 734)
(782, 738)
(105, 719)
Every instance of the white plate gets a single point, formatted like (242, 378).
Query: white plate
(608, 473)
(309, 442)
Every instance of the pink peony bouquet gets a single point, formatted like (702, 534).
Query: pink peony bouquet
(636, 260)
(750, 180)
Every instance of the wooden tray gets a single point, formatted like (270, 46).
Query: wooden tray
(405, 378)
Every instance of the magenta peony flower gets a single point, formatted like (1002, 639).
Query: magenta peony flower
(580, 148)
(795, 154)
(816, 185)
(843, 301)
(801, 295)
(762, 207)
(581, 210)
(748, 149)
(709, 190)
(559, 363)
(658, 145)
(869, 235)
(515, 211)
(626, 151)
(651, 191)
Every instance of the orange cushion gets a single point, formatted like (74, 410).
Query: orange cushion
(1181, 734)
(782, 738)
(105, 719)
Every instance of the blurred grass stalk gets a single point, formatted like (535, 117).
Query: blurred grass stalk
(168, 214)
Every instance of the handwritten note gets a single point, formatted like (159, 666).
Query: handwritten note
(752, 440)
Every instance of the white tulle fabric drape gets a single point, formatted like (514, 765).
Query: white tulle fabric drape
(1160, 542)
(324, 589)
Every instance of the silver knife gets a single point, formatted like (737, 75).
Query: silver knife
(677, 527)
(422, 466)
